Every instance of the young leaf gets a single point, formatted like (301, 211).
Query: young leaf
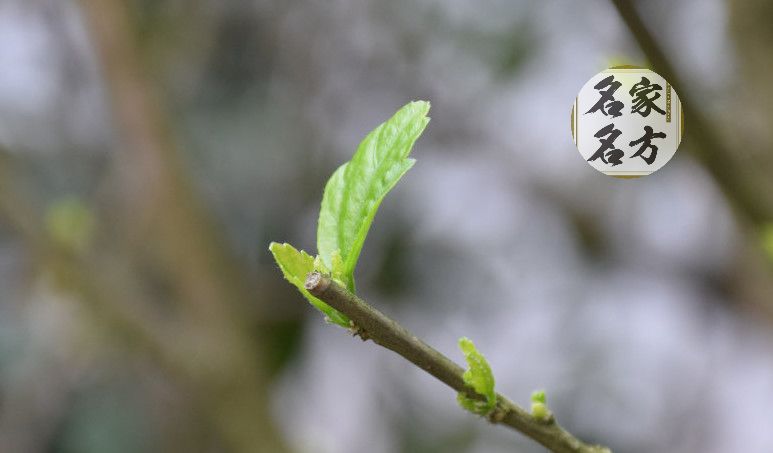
(355, 191)
(539, 396)
(478, 376)
(539, 406)
(295, 266)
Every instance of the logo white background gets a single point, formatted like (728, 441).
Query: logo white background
(630, 124)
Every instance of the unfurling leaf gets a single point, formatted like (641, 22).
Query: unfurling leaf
(538, 396)
(355, 191)
(350, 201)
(479, 377)
(296, 266)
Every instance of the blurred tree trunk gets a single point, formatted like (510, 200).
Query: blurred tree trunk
(735, 148)
(750, 129)
(168, 228)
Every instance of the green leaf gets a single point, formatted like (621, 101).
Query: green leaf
(338, 271)
(355, 191)
(296, 266)
(479, 377)
(538, 396)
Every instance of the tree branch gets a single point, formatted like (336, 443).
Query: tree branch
(89, 276)
(370, 323)
(707, 144)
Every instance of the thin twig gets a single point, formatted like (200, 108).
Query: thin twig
(87, 276)
(386, 332)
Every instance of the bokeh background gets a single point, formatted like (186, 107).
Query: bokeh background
(151, 149)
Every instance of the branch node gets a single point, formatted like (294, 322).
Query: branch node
(549, 420)
(497, 415)
(358, 331)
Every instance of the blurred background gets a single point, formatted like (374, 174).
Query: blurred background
(151, 149)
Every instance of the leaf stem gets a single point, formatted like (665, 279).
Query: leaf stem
(386, 332)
